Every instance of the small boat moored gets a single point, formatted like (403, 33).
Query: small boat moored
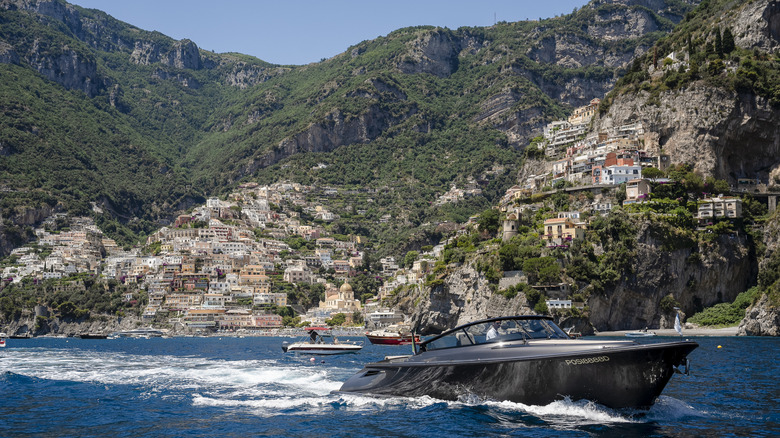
(92, 336)
(526, 359)
(320, 340)
(140, 333)
(640, 334)
(392, 335)
(2, 339)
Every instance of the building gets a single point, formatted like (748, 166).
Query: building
(270, 299)
(619, 174)
(637, 190)
(383, 318)
(558, 304)
(299, 273)
(583, 114)
(203, 318)
(562, 231)
(510, 227)
(340, 300)
(719, 208)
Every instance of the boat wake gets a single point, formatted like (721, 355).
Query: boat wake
(174, 374)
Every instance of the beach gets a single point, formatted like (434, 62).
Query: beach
(726, 331)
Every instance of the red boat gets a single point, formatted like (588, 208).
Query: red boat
(391, 336)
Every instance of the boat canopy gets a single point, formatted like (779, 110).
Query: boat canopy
(508, 328)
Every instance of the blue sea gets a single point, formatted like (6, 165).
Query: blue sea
(238, 387)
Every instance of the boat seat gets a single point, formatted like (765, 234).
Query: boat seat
(465, 339)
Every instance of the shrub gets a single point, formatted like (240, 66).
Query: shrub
(727, 313)
(668, 303)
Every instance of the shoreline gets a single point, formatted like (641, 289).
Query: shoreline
(726, 331)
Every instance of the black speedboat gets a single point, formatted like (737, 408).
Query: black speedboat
(529, 360)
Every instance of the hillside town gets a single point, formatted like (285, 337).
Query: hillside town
(214, 268)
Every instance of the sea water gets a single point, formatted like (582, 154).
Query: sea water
(227, 386)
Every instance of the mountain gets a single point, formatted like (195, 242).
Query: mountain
(708, 97)
(101, 117)
(713, 107)
(716, 107)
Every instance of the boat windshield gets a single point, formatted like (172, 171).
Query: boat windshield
(498, 330)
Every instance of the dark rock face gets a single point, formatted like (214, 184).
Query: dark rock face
(722, 133)
(763, 317)
(696, 278)
(435, 53)
(183, 54)
(7, 54)
(337, 130)
(464, 296)
(69, 69)
(59, 63)
(22, 220)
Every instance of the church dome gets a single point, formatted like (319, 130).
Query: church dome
(345, 287)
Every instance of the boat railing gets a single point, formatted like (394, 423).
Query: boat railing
(505, 329)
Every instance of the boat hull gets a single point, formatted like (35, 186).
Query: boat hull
(323, 349)
(624, 377)
(640, 334)
(391, 340)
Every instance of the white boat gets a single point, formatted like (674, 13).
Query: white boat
(392, 335)
(320, 340)
(2, 340)
(640, 334)
(141, 333)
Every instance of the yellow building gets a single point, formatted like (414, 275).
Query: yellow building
(562, 231)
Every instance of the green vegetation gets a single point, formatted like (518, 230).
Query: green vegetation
(75, 298)
(710, 48)
(727, 314)
(153, 139)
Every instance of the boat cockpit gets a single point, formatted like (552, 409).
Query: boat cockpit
(517, 328)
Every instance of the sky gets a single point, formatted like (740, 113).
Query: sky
(297, 32)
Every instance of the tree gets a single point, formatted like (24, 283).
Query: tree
(620, 193)
(488, 220)
(336, 320)
(542, 269)
(651, 172)
(410, 258)
(718, 43)
(728, 41)
(715, 67)
(691, 49)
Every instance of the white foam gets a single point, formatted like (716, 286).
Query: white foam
(168, 372)
(264, 406)
(581, 411)
(668, 409)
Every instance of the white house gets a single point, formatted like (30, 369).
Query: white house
(619, 174)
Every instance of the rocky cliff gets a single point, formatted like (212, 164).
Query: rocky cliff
(720, 132)
(464, 296)
(101, 324)
(763, 317)
(664, 273)
(16, 227)
(699, 275)
(723, 132)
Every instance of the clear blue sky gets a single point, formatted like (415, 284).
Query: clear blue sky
(303, 31)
